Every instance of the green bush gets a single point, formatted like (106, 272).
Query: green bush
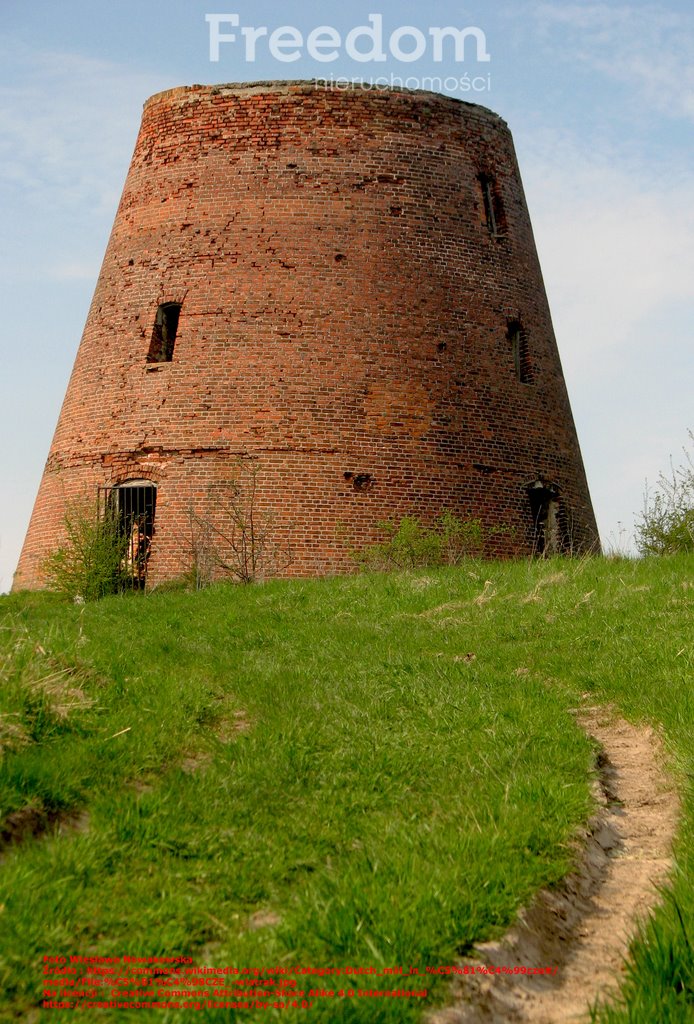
(90, 564)
(666, 525)
(412, 544)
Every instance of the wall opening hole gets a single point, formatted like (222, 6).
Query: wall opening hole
(518, 340)
(550, 534)
(360, 481)
(161, 347)
(494, 216)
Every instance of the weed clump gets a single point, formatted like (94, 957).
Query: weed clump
(412, 544)
(666, 526)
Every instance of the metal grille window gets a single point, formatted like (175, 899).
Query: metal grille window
(134, 505)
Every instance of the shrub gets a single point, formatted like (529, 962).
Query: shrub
(411, 544)
(90, 564)
(666, 525)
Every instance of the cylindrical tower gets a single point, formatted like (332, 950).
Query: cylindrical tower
(335, 293)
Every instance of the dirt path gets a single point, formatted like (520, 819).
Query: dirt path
(584, 927)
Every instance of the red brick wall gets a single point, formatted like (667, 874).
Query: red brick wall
(345, 309)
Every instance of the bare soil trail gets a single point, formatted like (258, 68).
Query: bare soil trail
(584, 927)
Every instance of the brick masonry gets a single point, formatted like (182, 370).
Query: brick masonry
(346, 311)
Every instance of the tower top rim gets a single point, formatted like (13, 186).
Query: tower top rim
(300, 87)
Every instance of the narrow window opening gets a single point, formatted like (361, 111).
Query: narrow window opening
(494, 216)
(161, 347)
(488, 198)
(518, 341)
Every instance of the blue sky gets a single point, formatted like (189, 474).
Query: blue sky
(599, 97)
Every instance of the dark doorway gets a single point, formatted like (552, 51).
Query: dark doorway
(549, 527)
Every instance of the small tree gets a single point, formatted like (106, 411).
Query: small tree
(200, 554)
(90, 563)
(236, 537)
(666, 525)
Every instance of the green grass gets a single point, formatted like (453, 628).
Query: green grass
(329, 754)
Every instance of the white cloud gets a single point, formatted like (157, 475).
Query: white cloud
(645, 47)
(615, 242)
(67, 126)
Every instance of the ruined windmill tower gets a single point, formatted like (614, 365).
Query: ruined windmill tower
(342, 287)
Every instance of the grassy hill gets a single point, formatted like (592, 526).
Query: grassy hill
(372, 771)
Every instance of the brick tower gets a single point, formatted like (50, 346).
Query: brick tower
(340, 289)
